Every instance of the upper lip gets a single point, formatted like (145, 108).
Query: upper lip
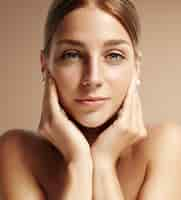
(92, 98)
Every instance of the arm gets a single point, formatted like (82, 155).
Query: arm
(164, 177)
(16, 181)
(105, 182)
(79, 181)
(56, 127)
(126, 130)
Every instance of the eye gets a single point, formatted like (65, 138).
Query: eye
(116, 56)
(70, 55)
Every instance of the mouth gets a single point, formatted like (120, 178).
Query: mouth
(91, 98)
(92, 103)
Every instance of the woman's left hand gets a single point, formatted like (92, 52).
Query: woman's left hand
(126, 130)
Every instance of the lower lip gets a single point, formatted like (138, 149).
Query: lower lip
(92, 103)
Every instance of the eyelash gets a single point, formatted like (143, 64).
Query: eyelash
(65, 53)
(118, 55)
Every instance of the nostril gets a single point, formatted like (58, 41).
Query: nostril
(88, 83)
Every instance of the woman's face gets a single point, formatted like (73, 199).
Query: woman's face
(91, 45)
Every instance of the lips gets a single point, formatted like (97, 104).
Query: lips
(92, 102)
(93, 99)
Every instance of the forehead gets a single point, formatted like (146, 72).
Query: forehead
(91, 25)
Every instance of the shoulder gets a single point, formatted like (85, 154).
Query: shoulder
(163, 150)
(24, 139)
(20, 141)
(16, 174)
(30, 159)
(162, 138)
(28, 148)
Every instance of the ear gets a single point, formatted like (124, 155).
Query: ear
(138, 63)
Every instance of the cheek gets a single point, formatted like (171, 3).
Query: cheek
(120, 85)
(65, 80)
(66, 85)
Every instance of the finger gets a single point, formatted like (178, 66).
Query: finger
(50, 106)
(113, 134)
(140, 121)
(62, 132)
(134, 110)
(118, 136)
(127, 106)
(53, 97)
(44, 108)
(127, 122)
(59, 117)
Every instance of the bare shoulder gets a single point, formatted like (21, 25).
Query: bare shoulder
(164, 137)
(29, 160)
(163, 142)
(34, 150)
(23, 141)
(163, 150)
(16, 169)
(17, 142)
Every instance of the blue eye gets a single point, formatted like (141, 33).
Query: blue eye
(70, 55)
(116, 56)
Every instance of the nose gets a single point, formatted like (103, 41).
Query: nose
(92, 76)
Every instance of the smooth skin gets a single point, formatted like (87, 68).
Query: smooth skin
(121, 160)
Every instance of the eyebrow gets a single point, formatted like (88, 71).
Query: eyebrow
(81, 44)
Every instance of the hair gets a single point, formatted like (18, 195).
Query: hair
(123, 10)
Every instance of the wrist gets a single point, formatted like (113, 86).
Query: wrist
(103, 163)
(78, 181)
(83, 166)
(102, 160)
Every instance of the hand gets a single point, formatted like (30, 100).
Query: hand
(126, 130)
(58, 129)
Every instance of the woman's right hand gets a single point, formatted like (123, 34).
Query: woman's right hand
(58, 129)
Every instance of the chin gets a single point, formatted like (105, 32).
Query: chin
(91, 123)
(94, 120)
(91, 120)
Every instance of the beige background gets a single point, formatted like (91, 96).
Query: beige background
(21, 29)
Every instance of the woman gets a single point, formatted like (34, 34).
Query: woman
(92, 142)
